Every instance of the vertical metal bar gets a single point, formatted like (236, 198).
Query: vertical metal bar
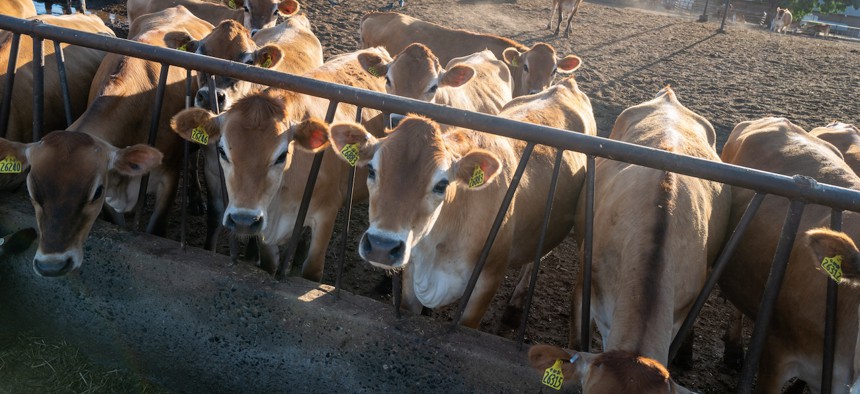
(585, 324)
(771, 293)
(725, 14)
(559, 155)
(213, 105)
(64, 81)
(9, 85)
(38, 88)
(494, 230)
(716, 272)
(350, 186)
(153, 132)
(186, 147)
(830, 319)
(306, 201)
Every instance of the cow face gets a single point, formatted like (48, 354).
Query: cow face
(71, 175)
(834, 253)
(260, 14)
(229, 41)
(412, 173)
(253, 140)
(537, 67)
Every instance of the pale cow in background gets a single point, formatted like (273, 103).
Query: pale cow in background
(254, 14)
(846, 138)
(561, 7)
(18, 8)
(781, 21)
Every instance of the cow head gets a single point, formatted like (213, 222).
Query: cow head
(412, 173)
(537, 66)
(260, 14)
(229, 41)
(609, 372)
(415, 73)
(835, 254)
(253, 139)
(71, 175)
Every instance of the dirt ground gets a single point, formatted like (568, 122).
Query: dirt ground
(628, 55)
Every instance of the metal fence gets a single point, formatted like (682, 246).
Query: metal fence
(799, 190)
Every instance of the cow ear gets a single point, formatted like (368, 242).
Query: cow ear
(268, 56)
(374, 64)
(289, 7)
(568, 64)
(543, 357)
(135, 160)
(513, 57)
(834, 253)
(13, 157)
(477, 168)
(457, 76)
(311, 135)
(180, 40)
(196, 125)
(352, 142)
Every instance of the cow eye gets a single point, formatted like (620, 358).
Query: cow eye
(246, 9)
(441, 186)
(526, 67)
(371, 173)
(387, 81)
(222, 153)
(281, 158)
(555, 71)
(276, 12)
(249, 62)
(98, 193)
(433, 88)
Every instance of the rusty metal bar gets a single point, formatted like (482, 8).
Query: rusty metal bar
(64, 82)
(494, 230)
(716, 273)
(559, 155)
(771, 293)
(306, 200)
(186, 148)
(350, 188)
(9, 85)
(585, 308)
(38, 89)
(153, 132)
(830, 319)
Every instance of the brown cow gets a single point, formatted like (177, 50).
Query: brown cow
(18, 8)
(71, 174)
(265, 181)
(121, 105)
(846, 138)
(781, 21)
(254, 14)
(793, 347)
(424, 184)
(609, 372)
(478, 82)
(562, 6)
(532, 69)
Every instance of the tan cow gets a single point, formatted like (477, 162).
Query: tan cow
(781, 21)
(609, 372)
(69, 179)
(121, 105)
(532, 69)
(18, 8)
(266, 180)
(657, 232)
(846, 138)
(478, 82)
(425, 184)
(254, 14)
(560, 7)
(793, 347)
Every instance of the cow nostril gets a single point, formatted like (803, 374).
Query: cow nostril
(397, 251)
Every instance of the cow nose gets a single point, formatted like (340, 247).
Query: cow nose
(382, 250)
(244, 224)
(50, 267)
(202, 98)
(533, 91)
(221, 97)
(254, 31)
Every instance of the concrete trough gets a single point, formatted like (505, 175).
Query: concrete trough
(193, 322)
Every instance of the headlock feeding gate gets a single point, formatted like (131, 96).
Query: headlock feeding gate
(799, 190)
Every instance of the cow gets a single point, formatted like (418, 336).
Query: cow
(289, 47)
(67, 5)
(781, 21)
(478, 82)
(562, 6)
(645, 281)
(793, 346)
(18, 8)
(121, 105)
(265, 180)
(532, 69)
(424, 184)
(608, 372)
(71, 175)
(846, 138)
(254, 14)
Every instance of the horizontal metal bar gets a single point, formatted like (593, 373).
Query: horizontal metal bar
(761, 181)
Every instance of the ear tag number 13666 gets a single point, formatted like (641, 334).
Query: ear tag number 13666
(553, 376)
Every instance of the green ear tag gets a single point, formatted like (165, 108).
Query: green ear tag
(477, 178)
(350, 153)
(183, 47)
(373, 71)
(11, 165)
(833, 267)
(232, 4)
(515, 62)
(268, 62)
(199, 135)
(553, 377)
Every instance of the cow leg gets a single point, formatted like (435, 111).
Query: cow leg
(165, 194)
(485, 289)
(514, 310)
(574, 339)
(196, 206)
(269, 257)
(312, 267)
(684, 358)
(569, 19)
(774, 370)
(83, 6)
(733, 351)
(67, 7)
(560, 17)
(215, 203)
(409, 300)
(551, 14)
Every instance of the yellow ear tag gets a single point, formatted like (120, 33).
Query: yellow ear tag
(199, 135)
(553, 377)
(350, 153)
(232, 4)
(268, 62)
(373, 71)
(11, 165)
(515, 62)
(833, 267)
(477, 178)
(183, 47)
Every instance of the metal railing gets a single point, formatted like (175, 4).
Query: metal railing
(799, 190)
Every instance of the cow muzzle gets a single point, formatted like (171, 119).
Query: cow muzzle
(244, 223)
(201, 100)
(57, 264)
(381, 250)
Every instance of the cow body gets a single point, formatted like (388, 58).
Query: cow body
(781, 21)
(18, 8)
(254, 14)
(570, 7)
(793, 347)
(846, 138)
(532, 69)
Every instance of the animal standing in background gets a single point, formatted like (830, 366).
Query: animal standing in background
(254, 14)
(562, 6)
(18, 8)
(781, 21)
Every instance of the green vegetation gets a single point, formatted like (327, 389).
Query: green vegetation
(799, 8)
